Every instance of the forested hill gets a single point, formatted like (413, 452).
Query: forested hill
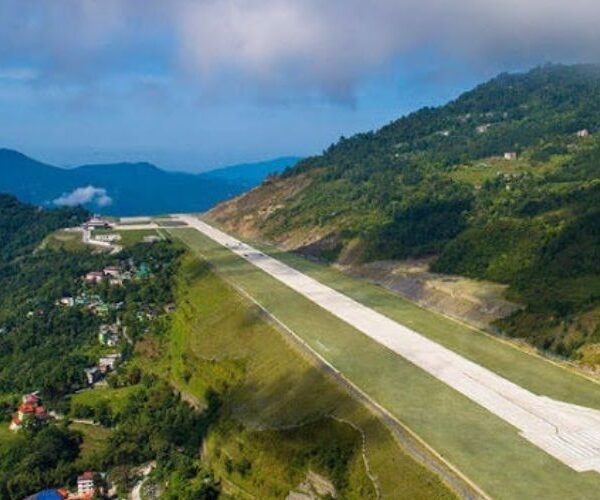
(436, 183)
(24, 226)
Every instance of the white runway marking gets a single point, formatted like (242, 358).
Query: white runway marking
(568, 432)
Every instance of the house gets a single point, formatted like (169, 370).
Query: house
(482, 129)
(94, 277)
(510, 155)
(109, 334)
(92, 375)
(86, 484)
(113, 271)
(59, 494)
(108, 363)
(583, 133)
(30, 408)
(67, 301)
(151, 239)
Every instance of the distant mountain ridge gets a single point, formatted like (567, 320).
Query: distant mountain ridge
(128, 188)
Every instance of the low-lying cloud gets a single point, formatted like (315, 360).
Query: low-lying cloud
(83, 196)
(292, 44)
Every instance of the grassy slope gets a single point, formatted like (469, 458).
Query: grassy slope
(278, 400)
(117, 398)
(484, 447)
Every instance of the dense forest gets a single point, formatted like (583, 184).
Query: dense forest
(436, 184)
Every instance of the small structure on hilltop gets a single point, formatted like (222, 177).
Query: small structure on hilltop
(30, 411)
(510, 155)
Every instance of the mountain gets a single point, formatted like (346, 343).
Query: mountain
(252, 174)
(501, 184)
(127, 188)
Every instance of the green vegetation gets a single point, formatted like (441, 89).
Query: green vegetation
(23, 227)
(276, 418)
(435, 183)
(484, 447)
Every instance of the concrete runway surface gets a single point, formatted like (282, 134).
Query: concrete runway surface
(568, 432)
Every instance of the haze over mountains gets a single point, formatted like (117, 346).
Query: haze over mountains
(128, 188)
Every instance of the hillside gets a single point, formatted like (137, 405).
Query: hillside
(128, 188)
(436, 184)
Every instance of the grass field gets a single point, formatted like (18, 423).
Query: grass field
(116, 398)
(484, 447)
(64, 240)
(6, 435)
(282, 408)
(131, 236)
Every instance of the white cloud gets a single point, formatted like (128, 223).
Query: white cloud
(316, 44)
(84, 195)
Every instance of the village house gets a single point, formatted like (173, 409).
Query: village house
(108, 363)
(67, 301)
(109, 334)
(583, 133)
(86, 486)
(30, 408)
(52, 494)
(94, 277)
(510, 155)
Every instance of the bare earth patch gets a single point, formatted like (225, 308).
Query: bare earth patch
(476, 302)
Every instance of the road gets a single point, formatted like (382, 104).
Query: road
(568, 432)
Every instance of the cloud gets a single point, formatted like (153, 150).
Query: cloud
(289, 45)
(84, 195)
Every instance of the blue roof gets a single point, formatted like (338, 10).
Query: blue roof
(48, 495)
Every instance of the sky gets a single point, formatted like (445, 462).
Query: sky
(196, 84)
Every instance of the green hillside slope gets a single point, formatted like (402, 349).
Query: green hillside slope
(436, 184)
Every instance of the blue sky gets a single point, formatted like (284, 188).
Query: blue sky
(193, 84)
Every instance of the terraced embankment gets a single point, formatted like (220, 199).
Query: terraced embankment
(282, 415)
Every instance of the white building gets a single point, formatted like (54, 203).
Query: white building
(510, 155)
(85, 483)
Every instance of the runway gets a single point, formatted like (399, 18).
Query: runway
(568, 432)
